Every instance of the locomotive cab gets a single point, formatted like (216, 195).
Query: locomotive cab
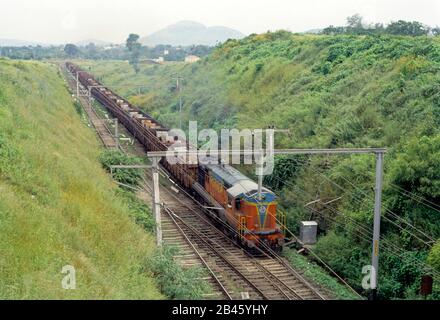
(252, 216)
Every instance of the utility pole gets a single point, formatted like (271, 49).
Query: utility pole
(90, 94)
(179, 79)
(77, 84)
(156, 200)
(376, 224)
(155, 192)
(260, 174)
(270, 132)
(116, 134)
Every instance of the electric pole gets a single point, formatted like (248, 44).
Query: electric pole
(77, 84)
(116, 134)
(376, 223)
(179, 79)
(270, 132)
(156, 200)
(154, 193)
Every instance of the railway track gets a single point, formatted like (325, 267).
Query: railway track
(100, 125)
(242, 275)
(232, 273)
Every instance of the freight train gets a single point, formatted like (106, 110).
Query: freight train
(247, 215)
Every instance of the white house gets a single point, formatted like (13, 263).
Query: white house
(192, 58)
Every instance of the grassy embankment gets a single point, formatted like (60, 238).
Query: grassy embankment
(57, 205)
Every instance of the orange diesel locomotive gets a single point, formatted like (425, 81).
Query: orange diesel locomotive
(252, 217)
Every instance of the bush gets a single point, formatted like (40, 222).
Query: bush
(285, 168)
(326, 68)
(175, 281)
(139, 211)
(126, 176)
(434, 256)
(319, 276)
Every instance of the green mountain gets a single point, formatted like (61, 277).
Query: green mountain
(329, 91)
(186, 33)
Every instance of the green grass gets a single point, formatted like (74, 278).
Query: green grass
(57, 205)
(319, 276)
(175, 281)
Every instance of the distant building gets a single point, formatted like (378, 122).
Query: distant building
(166, 52)
(192, 58)
(159, 60)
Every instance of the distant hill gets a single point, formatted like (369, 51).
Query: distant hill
(98, 43)
(187, 33)
(19, 43)
(313, 31)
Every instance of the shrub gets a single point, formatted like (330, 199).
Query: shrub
(126, 176)
(175, 281)
(139, 211)
(326, 68)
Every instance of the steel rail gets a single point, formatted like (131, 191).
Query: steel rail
(275, 256)
(222, 256)
(217, 280)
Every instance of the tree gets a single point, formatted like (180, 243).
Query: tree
(134, 47)
(334, 30)
(71, 50)
(355, 24)
(436, 31)
(355, 21)
(91, 51)
(434, 256)
(407, 28)
(418, 169)
(285, 168)
(379, 28)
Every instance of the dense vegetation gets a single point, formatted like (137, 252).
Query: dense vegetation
(92, 51)
(356, 25)
(330, 91)
(128, 177)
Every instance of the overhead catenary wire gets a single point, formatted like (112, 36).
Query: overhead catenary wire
(427, 243)
(416, 197)
(386, 243)
(430, 238)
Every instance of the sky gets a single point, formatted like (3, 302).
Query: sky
(61, 21)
